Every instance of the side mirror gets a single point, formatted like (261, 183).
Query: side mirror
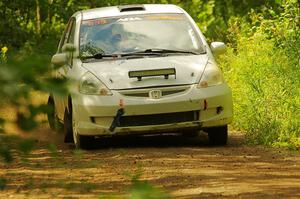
(68, 47)
(218, 47)
(59, 59)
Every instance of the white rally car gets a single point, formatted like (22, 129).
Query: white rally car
(139, 69)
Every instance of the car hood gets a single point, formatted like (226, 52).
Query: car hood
(114, 73)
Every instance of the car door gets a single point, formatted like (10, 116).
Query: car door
(62, 72)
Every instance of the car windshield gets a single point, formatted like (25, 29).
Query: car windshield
(129, 34)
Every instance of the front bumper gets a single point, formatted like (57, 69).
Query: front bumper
(93, 115)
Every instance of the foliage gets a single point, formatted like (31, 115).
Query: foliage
(261, 67)
(26, 146)
(3, 182)
(21, 74)
(41, 20)
(142, 189)
(5, 153)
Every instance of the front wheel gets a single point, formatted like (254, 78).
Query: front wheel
(218, 135)
(83, 142)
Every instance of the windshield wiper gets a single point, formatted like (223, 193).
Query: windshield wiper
(157, 51)
(99, 56)
(153, 52)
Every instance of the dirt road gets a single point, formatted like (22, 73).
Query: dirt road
(183, 167)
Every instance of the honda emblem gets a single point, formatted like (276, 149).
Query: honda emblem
(155, 94)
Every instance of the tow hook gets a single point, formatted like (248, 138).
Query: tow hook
(116, 121)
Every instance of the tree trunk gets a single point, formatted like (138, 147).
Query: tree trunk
(38, 17)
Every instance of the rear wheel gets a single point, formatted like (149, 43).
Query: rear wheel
(53, 121)
(218, 135)
(68, 130)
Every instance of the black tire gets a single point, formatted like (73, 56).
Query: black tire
(68, 129)
(84, 142)
(81, 142)
(53, 121)
(218, 135)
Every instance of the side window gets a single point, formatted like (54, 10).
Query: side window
(70, 39)
(72, 33)
(67, 33)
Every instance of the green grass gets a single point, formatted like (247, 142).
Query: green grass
(265, 82)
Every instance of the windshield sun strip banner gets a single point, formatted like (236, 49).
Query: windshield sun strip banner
(96, 22)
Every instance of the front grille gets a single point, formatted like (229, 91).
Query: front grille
(159, 119)
(166, 91)
(146, 94)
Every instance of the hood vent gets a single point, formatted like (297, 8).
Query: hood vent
(130, 8)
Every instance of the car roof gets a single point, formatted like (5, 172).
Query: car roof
(115, 11)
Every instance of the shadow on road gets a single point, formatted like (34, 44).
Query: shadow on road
(159, 141)
(44, 136)
(185, 167)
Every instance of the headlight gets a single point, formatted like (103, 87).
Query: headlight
(90, 85)
(212, 76)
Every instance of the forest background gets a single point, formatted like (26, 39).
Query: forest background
(262, 62)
